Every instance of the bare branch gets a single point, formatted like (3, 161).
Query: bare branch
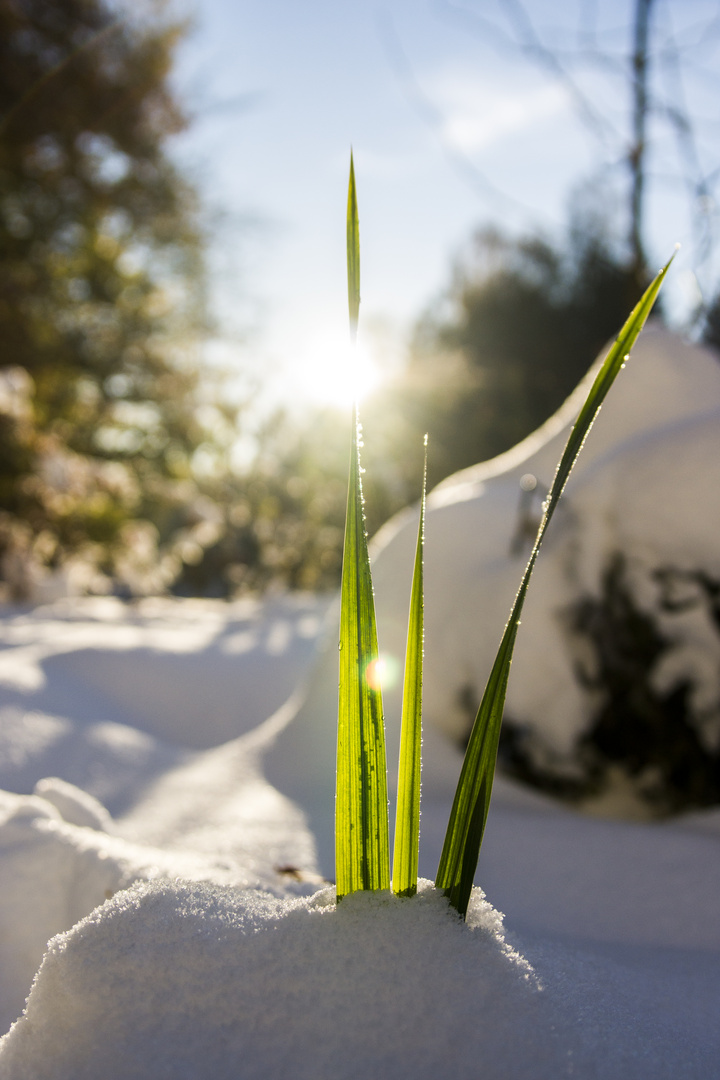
(527, 39)
(433, 117)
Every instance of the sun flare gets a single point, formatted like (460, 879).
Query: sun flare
(333, 372)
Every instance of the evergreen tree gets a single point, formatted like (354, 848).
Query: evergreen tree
(515, 332)
(100, 279)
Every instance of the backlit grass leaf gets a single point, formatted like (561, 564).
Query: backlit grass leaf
(362, 845)
(461, 849)
(353, 253)
(407, 819)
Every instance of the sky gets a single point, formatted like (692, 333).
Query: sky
(451, 130)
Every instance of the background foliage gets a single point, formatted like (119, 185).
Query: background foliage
(514, 333)
(116, 442)
(101, 295)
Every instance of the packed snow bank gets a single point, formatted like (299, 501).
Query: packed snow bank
(189, 981)
(213, 817)
(238, 983)
(207, 815)
(612, 968)
(55, 869)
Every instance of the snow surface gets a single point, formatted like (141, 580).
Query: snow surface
(167, 819)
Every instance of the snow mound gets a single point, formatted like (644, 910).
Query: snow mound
(188, 980)
(215, 820)
(191, 980)
(633, 544)
(74, 805)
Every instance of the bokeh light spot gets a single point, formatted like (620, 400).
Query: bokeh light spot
(383, 673)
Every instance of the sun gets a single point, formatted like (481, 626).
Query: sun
(330, 371)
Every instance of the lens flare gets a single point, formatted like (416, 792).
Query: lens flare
(383, 673)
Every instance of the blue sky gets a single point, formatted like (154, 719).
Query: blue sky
(450, 131)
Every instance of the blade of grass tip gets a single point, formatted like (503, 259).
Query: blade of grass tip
(468, 817)
(353, 253)
(407, 817)
(362, 844)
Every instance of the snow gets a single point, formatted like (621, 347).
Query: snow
(379, 987)
(645, 485)
(248, 967)
(167, 818)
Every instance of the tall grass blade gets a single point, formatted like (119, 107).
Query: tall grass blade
(353, 253)
(461, 849)
(362, 844)
(407, 816)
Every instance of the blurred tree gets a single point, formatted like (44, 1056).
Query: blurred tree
(101, 293)
(284, 514)
(517, 329)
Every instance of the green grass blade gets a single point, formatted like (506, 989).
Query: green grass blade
(461, 849)
(362, 844)
(353, 253)
(407, 817)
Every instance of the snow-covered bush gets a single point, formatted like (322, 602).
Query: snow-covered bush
(617, 669)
